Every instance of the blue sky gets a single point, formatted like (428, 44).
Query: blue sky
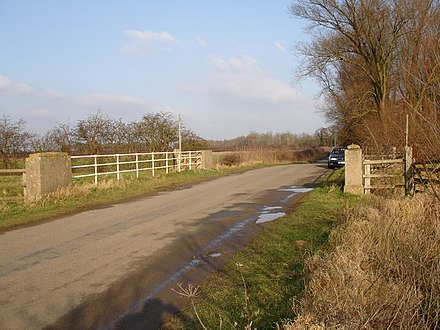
(228, 67)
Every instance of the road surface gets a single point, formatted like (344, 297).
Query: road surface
(113, 267)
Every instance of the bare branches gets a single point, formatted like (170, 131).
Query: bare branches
(376, 61)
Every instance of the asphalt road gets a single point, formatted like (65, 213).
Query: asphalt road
(113, 267)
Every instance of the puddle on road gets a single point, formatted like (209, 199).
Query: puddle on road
(268, 213)
(296, 189)
(215, 255)
(267, 209)
(266, 217)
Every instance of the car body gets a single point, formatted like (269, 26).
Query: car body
(336, 157)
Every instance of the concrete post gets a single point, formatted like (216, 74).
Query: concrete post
(206, 159)
(409, 177)
(353, 170)
(45, 173)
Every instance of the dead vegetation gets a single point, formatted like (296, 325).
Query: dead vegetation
(381, 271)
(270, 155)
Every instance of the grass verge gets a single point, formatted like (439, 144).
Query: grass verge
(82, 196)
(261, 284)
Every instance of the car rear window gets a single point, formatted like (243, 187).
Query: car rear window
(338, 151)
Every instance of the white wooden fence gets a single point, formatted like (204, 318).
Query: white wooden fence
(12, 178)
(99, 165)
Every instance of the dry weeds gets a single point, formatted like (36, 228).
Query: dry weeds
(382, 270)
(77, 190)
(271, 155)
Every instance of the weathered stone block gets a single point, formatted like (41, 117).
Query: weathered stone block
(45, 173)
(353, 170)
(207, 159)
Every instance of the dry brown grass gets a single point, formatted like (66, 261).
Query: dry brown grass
(382, 270)
(270, 155)
(77, 190)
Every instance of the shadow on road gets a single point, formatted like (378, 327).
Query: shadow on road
(151, 316)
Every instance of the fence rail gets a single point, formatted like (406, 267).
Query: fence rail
(116, 164)
(12, 178)
(384, 179)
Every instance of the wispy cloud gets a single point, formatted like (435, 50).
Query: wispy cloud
(11, 88)
(240, 91)
(100, 100)
(52, 93)
(279, 47)
(144, 42)
(38, 113)
(240, 81)
(243, 63)
(202, 43)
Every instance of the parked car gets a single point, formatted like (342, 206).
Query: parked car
(336, 157)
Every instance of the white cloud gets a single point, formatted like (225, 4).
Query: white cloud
(279, 47)
(7, 86)
(202, 43)
(99, 99)
(144, 42)
(52, 93)
(39, 113)
(5, 83)
(240, 81)
(21, 89)
(241, 96)
(243, 63)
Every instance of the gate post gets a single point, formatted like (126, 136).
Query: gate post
(353, 170)
(409, 177)
(206, 159)
(46, 172)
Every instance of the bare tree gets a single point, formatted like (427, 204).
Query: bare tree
(156, 131)
(359, 34)
(14, 139)
(94, 132)
(191, 141)
(375, 60)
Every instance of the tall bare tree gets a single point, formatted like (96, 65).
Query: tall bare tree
(375, 60)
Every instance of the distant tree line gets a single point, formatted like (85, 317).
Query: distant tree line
(254, 140)
(377, 61)
(98, 134)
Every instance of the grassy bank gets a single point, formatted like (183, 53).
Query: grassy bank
(82, 196)
(380, 271)
(262, 284)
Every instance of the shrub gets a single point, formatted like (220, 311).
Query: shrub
(231, 159)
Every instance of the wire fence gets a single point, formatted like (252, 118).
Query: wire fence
(116, 164)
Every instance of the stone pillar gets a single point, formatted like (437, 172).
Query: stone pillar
(46, 172)
(206, 159)
(353, 170)
(409, 175)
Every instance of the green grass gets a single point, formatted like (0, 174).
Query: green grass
(261, 283)
(82, 197)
